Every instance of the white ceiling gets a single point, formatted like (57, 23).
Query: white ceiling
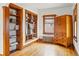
(45, 5)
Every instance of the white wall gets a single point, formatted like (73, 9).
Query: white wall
(24, 5)
(1, 27)
(58, 11)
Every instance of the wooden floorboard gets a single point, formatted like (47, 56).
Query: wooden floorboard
(45, 49)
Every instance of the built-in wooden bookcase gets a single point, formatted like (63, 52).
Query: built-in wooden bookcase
(31, 24)
(12, 28)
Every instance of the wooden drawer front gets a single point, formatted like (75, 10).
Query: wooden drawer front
(63, 35)
(60, 35)
(60, 41)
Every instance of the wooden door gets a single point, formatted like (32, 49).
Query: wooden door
(58, 27)
(63, 26)
(55, 26)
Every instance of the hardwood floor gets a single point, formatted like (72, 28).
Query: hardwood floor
(45, 49)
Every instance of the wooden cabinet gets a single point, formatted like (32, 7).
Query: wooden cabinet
(63, 30)
(12, 28)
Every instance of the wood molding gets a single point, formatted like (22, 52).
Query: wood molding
(49, 15)
(14, 6)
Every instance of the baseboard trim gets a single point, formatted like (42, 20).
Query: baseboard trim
(30, 42)
(1, 54)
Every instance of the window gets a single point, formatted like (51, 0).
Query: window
(48, 24)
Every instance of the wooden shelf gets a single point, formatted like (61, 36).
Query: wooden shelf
(31, 19)
(13, 15)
